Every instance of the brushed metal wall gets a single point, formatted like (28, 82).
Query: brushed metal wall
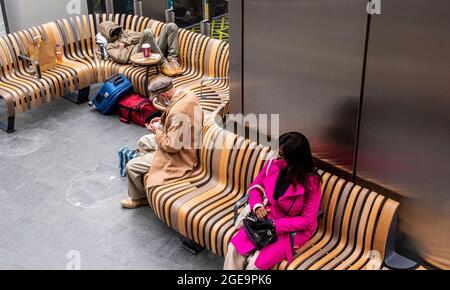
(154, 9)
(304, 61)
(23, 14)
(236, 41)
(405, 130)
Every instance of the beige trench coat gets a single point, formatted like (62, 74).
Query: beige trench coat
(183, 121)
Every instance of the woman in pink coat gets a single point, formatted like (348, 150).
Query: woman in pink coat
(292, 201)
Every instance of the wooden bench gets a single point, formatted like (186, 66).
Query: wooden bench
(205, 63)
(357, 226)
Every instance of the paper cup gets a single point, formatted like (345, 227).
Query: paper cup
(146, 49)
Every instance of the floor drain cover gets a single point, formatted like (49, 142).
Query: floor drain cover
(95, 191)
(24, 142)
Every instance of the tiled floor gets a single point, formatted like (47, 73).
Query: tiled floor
(59, 193)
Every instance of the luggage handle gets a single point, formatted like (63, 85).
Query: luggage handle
(111, 77)
(115, 79)
(118, 81)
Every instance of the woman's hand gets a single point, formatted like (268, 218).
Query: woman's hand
(261, 212)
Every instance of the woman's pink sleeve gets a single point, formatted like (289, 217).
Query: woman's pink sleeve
(309, 215)
(255, 195)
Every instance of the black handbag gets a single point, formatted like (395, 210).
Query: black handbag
(260, 231)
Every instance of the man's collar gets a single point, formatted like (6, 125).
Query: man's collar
(179, 94)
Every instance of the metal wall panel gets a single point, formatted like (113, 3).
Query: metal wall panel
(405, 130)
(3, 20)
(154, 9)
(23, 14)
(303, 60)
(236, 39)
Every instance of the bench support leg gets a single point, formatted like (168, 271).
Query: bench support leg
(79, 97)
(8, 127)
(191, 246)
(393, 260)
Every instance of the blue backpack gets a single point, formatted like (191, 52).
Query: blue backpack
(112, 91)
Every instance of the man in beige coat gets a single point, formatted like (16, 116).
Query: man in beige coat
(171, 149)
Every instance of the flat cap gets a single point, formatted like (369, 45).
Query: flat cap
(160, 84)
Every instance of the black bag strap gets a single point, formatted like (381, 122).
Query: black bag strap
(128, 117)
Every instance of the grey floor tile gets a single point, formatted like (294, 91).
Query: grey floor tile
(13, 261)
(56, 212)
(31, 238)
(32, 194)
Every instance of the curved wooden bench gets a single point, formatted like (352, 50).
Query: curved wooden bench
(355, 232)
(204, 60)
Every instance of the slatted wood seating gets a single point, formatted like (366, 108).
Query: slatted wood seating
(23, 90)
(205, 64)
(356, 221)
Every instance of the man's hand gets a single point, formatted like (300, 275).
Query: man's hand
(152, 128)
(155, 120)
(261, 212)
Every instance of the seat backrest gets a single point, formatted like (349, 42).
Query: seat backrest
(129, 22)
(6, 58)
(208, 56)
(358, 217)
(78, 35)
(237, 161)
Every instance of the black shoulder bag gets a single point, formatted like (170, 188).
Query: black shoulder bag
(261, 231)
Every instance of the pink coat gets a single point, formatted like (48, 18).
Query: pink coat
(302, 217)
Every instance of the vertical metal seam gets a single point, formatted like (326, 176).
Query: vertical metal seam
(361, 100)
(242, 55)
(5, 18)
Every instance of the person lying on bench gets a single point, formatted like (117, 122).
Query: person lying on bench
(287, 195)
(122, 44)
(171, 148)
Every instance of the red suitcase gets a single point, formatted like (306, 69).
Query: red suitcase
(137, 109)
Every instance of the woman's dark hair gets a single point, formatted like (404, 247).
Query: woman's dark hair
(295, 149)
